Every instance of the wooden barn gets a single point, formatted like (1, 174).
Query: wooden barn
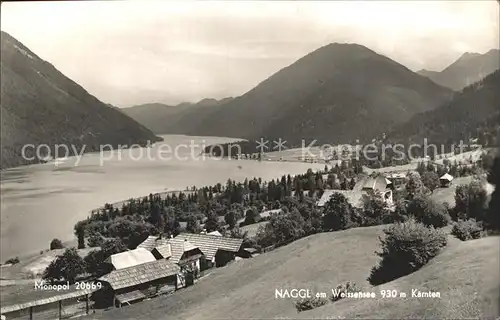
(138, 282)
(217, 251)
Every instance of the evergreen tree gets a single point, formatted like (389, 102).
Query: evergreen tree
(212, 222)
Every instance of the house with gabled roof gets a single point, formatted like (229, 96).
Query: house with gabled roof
(446, 180)
(217, 250)
(184, 254)
(138, 282)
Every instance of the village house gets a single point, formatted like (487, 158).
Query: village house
(138, 282)
(366, 187)
(217, 250)
(446, 180)
(379, 185)
(185, 255)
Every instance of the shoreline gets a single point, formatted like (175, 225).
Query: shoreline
(70, 238)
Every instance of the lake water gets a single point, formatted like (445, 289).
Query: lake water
(42, 202)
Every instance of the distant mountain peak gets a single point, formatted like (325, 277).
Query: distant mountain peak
(469, 68)
(468, 55)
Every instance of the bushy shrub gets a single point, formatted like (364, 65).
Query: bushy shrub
(338, 213)
(66, 266)
(467, 229)
(12, 261)
(344, 288)
(376, 211)
(406, 248)
(95, 240)
(428, 211)
(470, 201)
(56, 244)
(309, 303)
(400, 213)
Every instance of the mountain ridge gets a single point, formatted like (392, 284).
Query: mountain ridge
(473, 112)
(40, 105)
(177, 119)
(334, 81)
(469, 68)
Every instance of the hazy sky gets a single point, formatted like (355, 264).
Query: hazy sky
(134, 52)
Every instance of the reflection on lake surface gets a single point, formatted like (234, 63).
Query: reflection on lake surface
(42, 202)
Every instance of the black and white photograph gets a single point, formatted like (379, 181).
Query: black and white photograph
(267, 160)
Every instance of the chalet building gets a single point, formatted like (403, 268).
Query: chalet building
(184, 254)
(446, 180)
(217, 250)
(138, 282)
(364, 187)
(379, 185)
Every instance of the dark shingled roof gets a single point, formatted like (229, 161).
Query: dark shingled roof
(174, 249)
(151, 242)
(141, 273)
(164, 251)
(209, 244)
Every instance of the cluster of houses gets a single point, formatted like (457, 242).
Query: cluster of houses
(382, 185)
(163, 265)
(157, 266)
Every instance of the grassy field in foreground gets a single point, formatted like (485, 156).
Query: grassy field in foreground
(246, 289)
(466, 274)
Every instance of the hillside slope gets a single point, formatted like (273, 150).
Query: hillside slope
(475, 109)
(469, 68)
(181, 119)
(466, 275)
(337, 93)
(39, 105)
(246, 289)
